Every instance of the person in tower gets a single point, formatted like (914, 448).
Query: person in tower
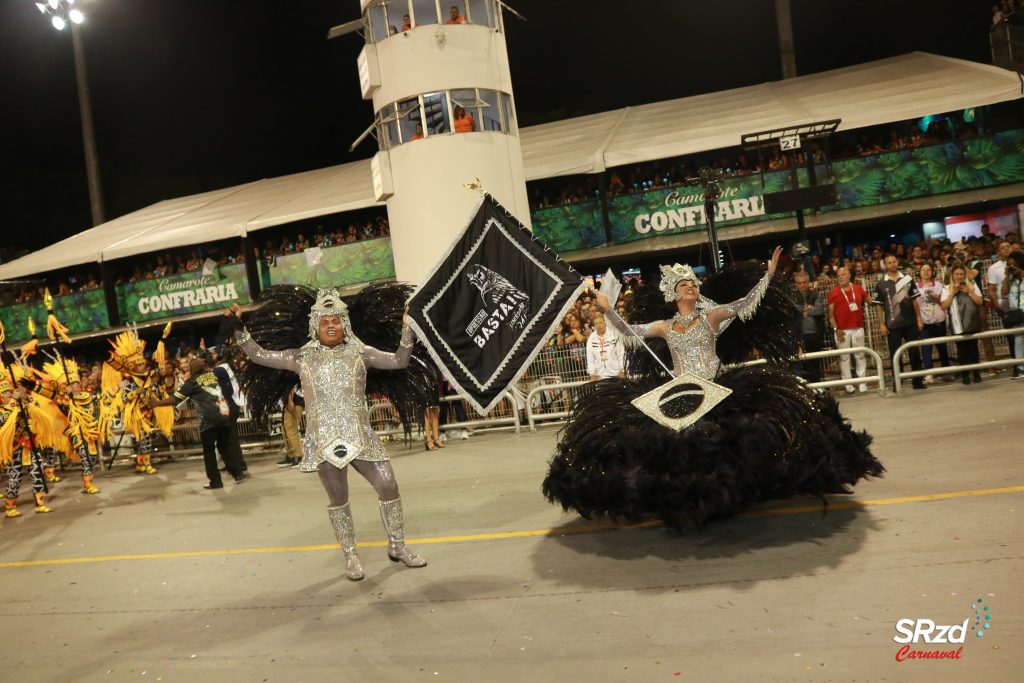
(454, 17)
(464, 122)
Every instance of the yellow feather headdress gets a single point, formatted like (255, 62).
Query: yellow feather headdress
(127, 346)
(55, 370)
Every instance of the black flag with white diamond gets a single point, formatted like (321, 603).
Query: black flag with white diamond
(491, 304)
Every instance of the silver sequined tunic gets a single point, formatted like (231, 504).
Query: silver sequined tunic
(694, 350)
(334, 389)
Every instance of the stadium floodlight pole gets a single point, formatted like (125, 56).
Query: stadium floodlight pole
(64, 14)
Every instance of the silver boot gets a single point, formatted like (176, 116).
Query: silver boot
(394, 524)
(341, 520)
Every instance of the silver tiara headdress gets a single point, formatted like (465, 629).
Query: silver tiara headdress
(672, 276)
(328, 303)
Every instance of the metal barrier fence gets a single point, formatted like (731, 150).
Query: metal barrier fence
(549, 386)
(878, 377)
(505, 414)
(555, 400)
(899, 375)
(994, 345)
(185, 441)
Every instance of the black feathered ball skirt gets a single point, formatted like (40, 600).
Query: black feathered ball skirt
(773, 437)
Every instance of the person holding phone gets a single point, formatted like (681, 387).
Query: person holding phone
(962, 301)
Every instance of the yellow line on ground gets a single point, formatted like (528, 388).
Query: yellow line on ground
(854, 504)
(590, 528)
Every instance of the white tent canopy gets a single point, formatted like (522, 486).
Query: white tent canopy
(262, 204)
(896, 89)
(231, 212)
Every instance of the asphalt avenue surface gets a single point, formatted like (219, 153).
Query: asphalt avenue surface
(156, 579)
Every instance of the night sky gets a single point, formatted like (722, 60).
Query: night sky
(193, 95)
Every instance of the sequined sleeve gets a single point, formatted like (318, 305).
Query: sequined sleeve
(383, 360)
(281, 360)
(643, 331)
(743, 308)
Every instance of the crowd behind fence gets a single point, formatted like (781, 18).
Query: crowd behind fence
(552, 382)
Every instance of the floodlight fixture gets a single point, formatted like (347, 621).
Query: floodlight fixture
(61, 13)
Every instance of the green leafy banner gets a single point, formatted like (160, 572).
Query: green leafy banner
(345, 264)
(570, 227)
(938, 169)
(79, 311)
(184, 293)
(865, 181)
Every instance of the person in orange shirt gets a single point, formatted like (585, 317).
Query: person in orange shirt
(455, 17)
(406, 23)
(419, 132)
(464, 122)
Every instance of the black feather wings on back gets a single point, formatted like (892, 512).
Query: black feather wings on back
(281, 321)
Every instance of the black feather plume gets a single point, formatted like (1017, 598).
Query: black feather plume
(280, 322)
(773, 437)
(774, 330)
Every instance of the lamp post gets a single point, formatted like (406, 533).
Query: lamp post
(64, 14)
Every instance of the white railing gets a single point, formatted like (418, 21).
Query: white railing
(899, 375)
(878, 377)
(499, 417)
(533, 417)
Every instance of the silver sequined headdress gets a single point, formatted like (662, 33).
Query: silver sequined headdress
(672, 276)
(329, 303)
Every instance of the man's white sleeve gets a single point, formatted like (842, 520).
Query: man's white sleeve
(591, 358)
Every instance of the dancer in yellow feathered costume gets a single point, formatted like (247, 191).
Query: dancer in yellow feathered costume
(129, 384)
(75, 416)
(16, 442)
(52, 441)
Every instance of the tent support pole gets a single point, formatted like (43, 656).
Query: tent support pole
(110, 293)
(252, 272)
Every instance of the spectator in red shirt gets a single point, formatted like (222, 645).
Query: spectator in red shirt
(846, 314)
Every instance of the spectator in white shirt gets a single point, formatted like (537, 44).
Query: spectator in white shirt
(606, 356)
(995, 275)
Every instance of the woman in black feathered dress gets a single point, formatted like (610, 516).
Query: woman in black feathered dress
(772, 437)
